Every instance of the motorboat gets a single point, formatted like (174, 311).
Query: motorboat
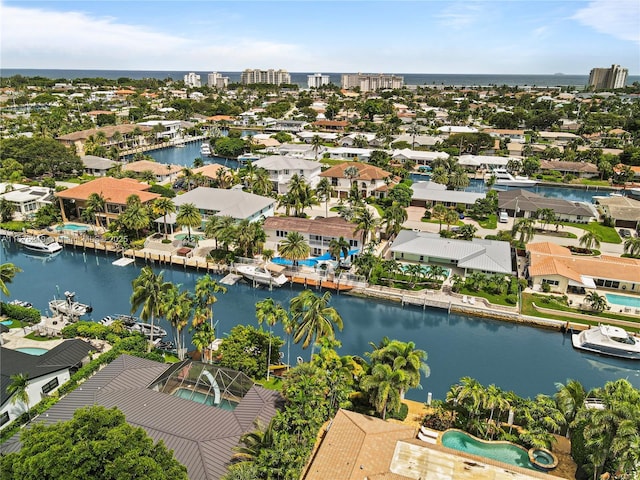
(69, 307)
(261, 275)
(505, 179)
(132, 324)
(205, 150)
(21, 303)
(148, 330)
(608, 340)
(126, 320)
(39, 243)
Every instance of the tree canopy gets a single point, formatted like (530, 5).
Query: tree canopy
(41, 156)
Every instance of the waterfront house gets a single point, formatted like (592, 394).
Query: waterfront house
(624, 211)
(477, 255)
(281, 169)
(428, 194)
(126, 138)
(161, 171)
(45, 372)
(554, 265)
(157, 397)
(578, 169)
(114, 190)
(331, 125)
(97, 166)
(419, 157)
(523, 203)
(516, 136)
(350, 153)
(307, 136)
(221, 202)
(371, 180)
(483, 162)
(318, 232)
(418, 140)
(26, 200)
(166, 130)
(371, 138)
(291, 126)
(297, 150)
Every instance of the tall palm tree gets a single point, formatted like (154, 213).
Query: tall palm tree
(632, 246)
(18, 389)
(439, 211)
(205, 295)
(187, 174)
(450, 218)
(188, 216)
(176, 308)
(526, 228)
(394, 217)
(148, 292)
(7, 273)
(339, 247)
(366, 223)
(203, 336)
(597, 302)
(164, 206)
(294, 247)
(316, 142)
(324, 190)
(314, 318)
(254, 442)
(270, 312)
(590, 240)
(262, 184)
(98, 204)
(383, 386)
(570, 398)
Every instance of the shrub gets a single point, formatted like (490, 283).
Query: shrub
(23, 314)
(427, 215)
(546, 288)
(511, 299)
(164, 191)
(401, 413)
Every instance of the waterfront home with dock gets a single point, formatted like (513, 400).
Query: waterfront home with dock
(282, 168)
(162, 172)
(523, 203)
(130, 135)
(115, 191)
(371, 180)
(97, 166)
(428, 194)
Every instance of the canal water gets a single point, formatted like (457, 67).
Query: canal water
(514, 357)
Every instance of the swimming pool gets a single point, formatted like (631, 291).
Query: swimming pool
(501, 451)
(32, 350)
(624, 300)
(309, 262)
(201, 397)
(182, 236)
(72, 227)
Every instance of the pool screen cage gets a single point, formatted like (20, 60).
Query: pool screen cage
(218, 382)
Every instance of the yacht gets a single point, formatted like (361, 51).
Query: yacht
(608, 340)
(505, 179)
(261, 276)
(39, 243)
(205, 150)
(132, 324)
(69, 307)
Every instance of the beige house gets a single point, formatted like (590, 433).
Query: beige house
(163, 172)
(554, 265)
(371, 180)
(126, 139)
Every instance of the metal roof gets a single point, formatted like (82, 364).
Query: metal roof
(235, 203)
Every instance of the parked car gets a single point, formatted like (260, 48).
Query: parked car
(624, 233)
(503, 217)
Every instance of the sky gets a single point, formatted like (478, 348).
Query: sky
(381, 36)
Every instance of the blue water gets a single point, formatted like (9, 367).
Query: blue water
(300, 78)
(32, 350)
(200, 397)
(512, 356)
(623, 300)
(502, 452)
(72, 227)
(309, 262)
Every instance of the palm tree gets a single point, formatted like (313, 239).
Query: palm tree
(525, 227)
(632, 246)
(467, 231)
(469, 394)
(262, 184)
(339, 247)
(450, 218)
(316, 142)
(18, 389)
(7, 273)
(205, 298)
(570, 398)
(294, 247)
(313, 318)
(439, 212)
(254, 442)
(394, 217)
(415, 272)
(203, 336)
(597, 302)
(164, 206)
(365, 223)
(383, 386)
(187, 173)
(271, 313)
(176, 308)
(590, 239)
(149, 290)
(324, 190)
(136, 215)
(546, 216)
(98, 204)
(188, 216)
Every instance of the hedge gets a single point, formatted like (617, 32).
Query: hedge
(23, 314)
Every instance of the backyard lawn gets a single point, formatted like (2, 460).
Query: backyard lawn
(607, 234)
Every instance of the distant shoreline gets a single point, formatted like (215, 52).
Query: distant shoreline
(300, 78)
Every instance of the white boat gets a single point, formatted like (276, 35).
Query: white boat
(505, 179)
(608, 340)
(132, 324)
(205, 150)
(146, 330)
(39, 243)
(261, 275)
(68, 306)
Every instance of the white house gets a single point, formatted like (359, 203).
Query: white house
(307, 136)
(350, 153)
(297, 150)
(45, 373)
(350, 139)
(418, 156)
(27, 200)
(484, 162)
(171, 129)
(453, 129)
(281, 169)
(430, 193)
(97, 166)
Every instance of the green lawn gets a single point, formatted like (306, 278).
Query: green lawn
(36, 336)
(490, 223)
(495, 299)
(459, 223)
(607, 234)
(594, 182)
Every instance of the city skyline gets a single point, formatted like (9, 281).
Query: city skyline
(492, 37)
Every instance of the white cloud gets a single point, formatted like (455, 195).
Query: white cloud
(459, 15)
(541, 32)
(37, 38)
(618, 18)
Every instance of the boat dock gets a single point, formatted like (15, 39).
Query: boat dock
(230, 279)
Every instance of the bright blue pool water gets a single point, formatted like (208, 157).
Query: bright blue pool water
(623, 300)
(72, 227)
(32, 350)
(6, 322)
(309, 262)
(502, 452)
(182, 236)
(200, 397)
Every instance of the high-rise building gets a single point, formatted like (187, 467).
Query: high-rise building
(274, 77)
(192, 80)
(216, 80)
(371, 82)
(614, 77)
(317, 80)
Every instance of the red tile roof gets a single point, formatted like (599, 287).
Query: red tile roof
(114, 190)
(365, 172)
